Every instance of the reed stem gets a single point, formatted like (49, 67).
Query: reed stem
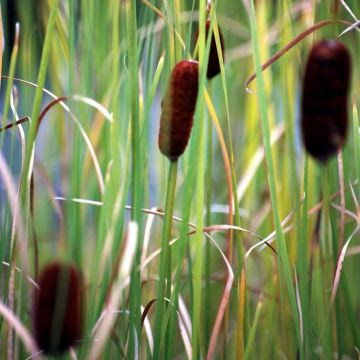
(164, 287)
(209, 169)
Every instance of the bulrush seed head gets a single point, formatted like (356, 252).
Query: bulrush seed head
(214, 62)
(326, 86)
(58, 308)
(178, 108)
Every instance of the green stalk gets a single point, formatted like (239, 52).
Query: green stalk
(13, 61)
(9, 85)
(250, 341)
(8, 248)
(326, 279)
(326, 214)
(134, 91)
(136, 166)
(171, 38)
(39, 90)
(198, 244)
(164, 288)
(176, 12)
(283, 260)
(337, 244)
(356, 143)
(302, 259)
(209, 160)
(350, 309)
(73, 213)
(199, 198)
(72, 45)
(183, 249)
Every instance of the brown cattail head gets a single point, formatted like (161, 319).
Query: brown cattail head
(214, 62)
(58, 308)
(178, 108)
(326, 86)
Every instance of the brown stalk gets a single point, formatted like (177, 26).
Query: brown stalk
(15, 123)
(290, 45)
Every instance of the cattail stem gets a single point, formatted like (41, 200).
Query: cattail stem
(302, 260)
(136, 173)
(209, 168)
(324, 171)
(32, 216)
(342, 201)
(164, 287)
(338, 244)
(207, 299)
(328, 265)
(326, 336)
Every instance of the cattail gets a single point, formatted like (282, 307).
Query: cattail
(58, 308)
(326, 85)
(214, 62)
(178, 108)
